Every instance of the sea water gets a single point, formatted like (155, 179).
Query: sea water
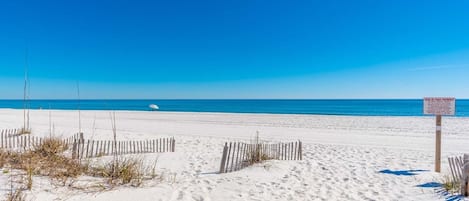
(324, 107)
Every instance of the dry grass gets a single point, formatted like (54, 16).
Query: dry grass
(17, 195)
(256, 156)
(122, 171)
(46, 159)
(50, 147)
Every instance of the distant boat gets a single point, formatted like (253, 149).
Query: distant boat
(154, 107)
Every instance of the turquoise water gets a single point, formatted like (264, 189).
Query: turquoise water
(326, 107)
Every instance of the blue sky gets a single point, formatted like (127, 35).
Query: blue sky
(235, 49)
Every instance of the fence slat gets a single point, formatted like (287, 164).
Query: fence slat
(74, 149)
(233, 157)
(141, 146)
(1, 139)
(223, 158)
(243, 158)
(92, 149)
(295, 155)
(228, 158)
(452, 168)
(237, 157)
(1, 143)
(97, 148)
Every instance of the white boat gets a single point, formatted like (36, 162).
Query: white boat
(154, 107)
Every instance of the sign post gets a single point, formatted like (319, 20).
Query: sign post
(439, 107)
(438, 144)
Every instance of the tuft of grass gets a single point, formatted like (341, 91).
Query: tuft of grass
(256, 155)
(3, 158)
(16, 195)
(50, 147)
(450, 185)
(121, 171)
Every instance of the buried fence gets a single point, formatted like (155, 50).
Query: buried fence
(238, 155)
(95, 148)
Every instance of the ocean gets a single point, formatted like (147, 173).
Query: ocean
(323, 107)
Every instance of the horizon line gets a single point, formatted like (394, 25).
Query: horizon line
(84, 99)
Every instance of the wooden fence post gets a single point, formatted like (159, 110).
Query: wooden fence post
(146, 146)
(233, 157)
(223, 158)
(97, 148)
(174, 145)
(465, 175)
(228, 158)
(124, 147)
(243, 158)
(237, 157)
(17, 140)
(87, 148)
(105, 148)
(74, 150)
(296, 151)
(9, 141)
(2, 141)
(92, 149)
(281, 151)
(291, 151)
(141, 147)
(301, 150)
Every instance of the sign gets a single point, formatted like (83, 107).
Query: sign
(439, 105)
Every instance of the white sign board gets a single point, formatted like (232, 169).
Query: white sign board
(439, 106)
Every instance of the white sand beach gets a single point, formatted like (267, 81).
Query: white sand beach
(344, 157)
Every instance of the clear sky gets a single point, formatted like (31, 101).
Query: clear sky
(235, 48)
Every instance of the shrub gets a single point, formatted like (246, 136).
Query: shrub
(50, 147)
(121, 171)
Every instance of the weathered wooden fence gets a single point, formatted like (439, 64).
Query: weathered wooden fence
(11, 132)
(456, 165)
(238, 155)
(82, 148)
(18, 142)
(459, 166)
(70, 140)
